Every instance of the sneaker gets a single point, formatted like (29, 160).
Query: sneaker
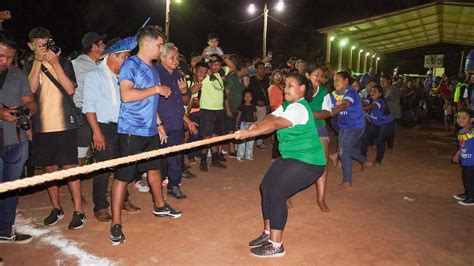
(21, 220)
(250, 158)
(103, 215)
(141, 186)
(78, 221)
(116, 235)
(218, 164)
(167, 211)
(16, 238)
(461, 196)
(261, 146)
(176, 193)
(241, 160)
(187, 174)
(467, 202)
(259, 241)
(54, 217)
(232, 154)
(221, 157)
(130, 208)
(268, 250)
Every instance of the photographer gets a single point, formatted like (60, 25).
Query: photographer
(16, 102)
(52, 80)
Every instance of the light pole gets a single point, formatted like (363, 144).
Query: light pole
(358, 60)
(328, 50)
(365, 62)
(251, 9)
(350, 57)
(342, 43)
(168, 17)
(377, 64)
(372, 60)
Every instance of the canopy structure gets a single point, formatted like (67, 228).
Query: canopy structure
(438, 22)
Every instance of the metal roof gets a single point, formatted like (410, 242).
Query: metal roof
(439, 22)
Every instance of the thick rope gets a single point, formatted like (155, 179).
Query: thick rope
(63, 174)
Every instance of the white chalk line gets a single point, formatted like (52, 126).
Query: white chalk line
(66, 247)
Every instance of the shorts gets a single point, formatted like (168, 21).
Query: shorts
(230, 123)
(84, 134)
(211, 122)
(131, 144)
(54, 148)
(322, 132)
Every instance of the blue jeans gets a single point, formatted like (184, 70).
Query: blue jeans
(348, 138)
(11, 167)
(245, 149)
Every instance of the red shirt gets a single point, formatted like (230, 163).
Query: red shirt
(276, 96)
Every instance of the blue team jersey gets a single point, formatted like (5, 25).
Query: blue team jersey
(466, 146)
(353, 116)
(376, 116)
(139, 118)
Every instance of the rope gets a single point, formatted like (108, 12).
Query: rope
(63, 174)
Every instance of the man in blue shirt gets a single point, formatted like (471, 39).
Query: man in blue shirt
(371, 75)
(101, 105)
(137, 126)
(171, 114)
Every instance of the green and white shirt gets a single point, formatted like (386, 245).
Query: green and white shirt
(300, 141)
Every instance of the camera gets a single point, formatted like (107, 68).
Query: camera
(23, 121)
(51, 45)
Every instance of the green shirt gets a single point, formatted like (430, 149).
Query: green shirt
(316, 105)
(212, 92)
(300, 142)
(235, 87)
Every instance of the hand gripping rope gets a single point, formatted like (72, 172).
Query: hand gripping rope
(80, 170)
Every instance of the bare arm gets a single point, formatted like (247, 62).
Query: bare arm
(62, 78)
(321, 115)
(265, 126)
(341, 107)
(30, 103)
(34, 76)
(196, 60)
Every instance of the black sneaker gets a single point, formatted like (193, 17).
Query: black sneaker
(78, 220)
(116, 235)
(218, 164)
(167, 211)
(16, 238)
(461, 196)
(221, 157)
(259, 241)
(268, 250)
(54, 217)
(203, 166)
(467, 202)
(176, 192)
(187, 174)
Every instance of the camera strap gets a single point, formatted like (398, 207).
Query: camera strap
(3, 77)
(57, 84)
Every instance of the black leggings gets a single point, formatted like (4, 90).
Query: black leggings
(467, 174)
(284, 178)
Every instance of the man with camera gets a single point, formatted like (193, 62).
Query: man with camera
(52, 80)
(17, 105)
(93, 47)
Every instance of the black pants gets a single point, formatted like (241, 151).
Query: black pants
(467, 174)
(100, 183)
(391, 138)
(378, 135)
(284, 178)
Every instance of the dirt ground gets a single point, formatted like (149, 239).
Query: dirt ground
(398, 213)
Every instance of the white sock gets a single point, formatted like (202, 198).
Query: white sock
(267, 232)
(275, 244)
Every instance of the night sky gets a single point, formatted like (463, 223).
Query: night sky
(192, 20)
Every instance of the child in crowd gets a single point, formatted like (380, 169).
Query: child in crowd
(246, 116)
(448, 109)
(464, 156)
(213, 48)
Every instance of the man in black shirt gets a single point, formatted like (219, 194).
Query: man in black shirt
(259, 88)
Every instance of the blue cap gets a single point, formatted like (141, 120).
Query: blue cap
(123, 45)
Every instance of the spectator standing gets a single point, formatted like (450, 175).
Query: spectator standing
(392, 98)
(14, 91)
(53, 82)
(371, 75)
(259, 87)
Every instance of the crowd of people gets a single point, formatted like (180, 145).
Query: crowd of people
(137, 94)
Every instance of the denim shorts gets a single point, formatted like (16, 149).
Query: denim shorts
(322, 132)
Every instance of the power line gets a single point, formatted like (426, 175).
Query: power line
(290, 26)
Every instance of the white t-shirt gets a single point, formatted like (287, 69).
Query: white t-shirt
(296, 113)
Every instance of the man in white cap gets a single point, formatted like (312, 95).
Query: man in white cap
(101, 105)
(93, 47)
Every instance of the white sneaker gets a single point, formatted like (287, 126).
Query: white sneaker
(240, 159)
(142, 187)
